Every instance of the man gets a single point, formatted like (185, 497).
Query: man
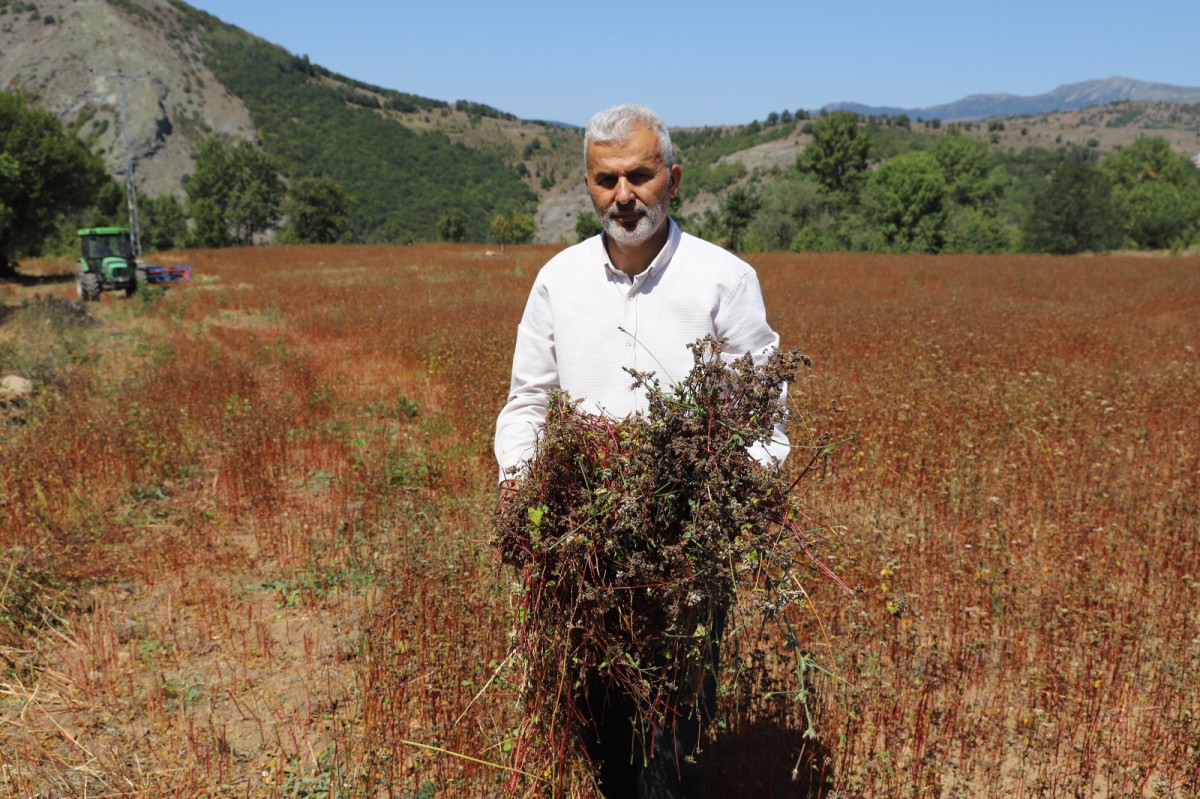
(633, 297)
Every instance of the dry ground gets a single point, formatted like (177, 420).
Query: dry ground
(243, 530)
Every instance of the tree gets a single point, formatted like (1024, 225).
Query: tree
(1148, 158)
(521, 227)
(837, 155)
(516, 228)
(1074, 212)
(233, 194)
(44, 173)
(587, 225)
(500, 230)
(737, 209)
(317, 210)
(974, 187)
(827, 233)
(163, 222)
(110, 206)
(10, 176)
(452, 225)
(976, 230)
(1157, 191)
(1159, 214)
(256, 194)
(788, 205)
(707, 225)
(971, 179)
(207, 191)
(907, 200)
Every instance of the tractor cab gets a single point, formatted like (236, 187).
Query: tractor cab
(107, 263)
(106, 242)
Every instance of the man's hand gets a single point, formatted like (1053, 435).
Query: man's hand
(507, 489)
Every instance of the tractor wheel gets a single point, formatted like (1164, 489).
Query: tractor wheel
(139, 280)
(88, 286)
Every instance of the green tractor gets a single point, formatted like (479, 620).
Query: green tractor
(107, 263)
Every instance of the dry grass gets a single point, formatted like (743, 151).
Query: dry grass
(242, 530)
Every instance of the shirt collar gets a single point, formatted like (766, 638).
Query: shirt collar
(660, 262)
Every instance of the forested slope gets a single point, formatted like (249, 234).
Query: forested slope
(399, 181)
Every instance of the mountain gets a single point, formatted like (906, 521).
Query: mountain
(1068, 97)
(184, 77)
(73, 57)
(406, 160)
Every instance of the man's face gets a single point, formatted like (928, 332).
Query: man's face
(631, 187)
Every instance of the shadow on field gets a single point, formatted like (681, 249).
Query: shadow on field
(38, 280)
(50, 308)
(758, 761)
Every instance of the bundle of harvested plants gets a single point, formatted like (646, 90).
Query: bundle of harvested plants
(634, 536)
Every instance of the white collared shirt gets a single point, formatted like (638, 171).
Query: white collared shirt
(585, 322)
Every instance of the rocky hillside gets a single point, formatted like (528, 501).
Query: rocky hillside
(74, 56)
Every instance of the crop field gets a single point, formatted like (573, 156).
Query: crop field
(244, 532)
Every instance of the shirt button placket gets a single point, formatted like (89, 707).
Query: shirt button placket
(631, 328)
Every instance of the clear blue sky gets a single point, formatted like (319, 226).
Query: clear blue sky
(713, 63)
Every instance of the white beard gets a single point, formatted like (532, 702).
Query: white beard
(647, 226)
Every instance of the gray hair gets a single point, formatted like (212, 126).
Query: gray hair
(616, 124)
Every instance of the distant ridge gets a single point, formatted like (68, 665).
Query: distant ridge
(1068, 97)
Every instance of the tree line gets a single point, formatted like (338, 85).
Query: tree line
(876, 185)
(51, 184)
(943, 193)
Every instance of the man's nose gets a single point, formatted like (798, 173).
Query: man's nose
(624, 191)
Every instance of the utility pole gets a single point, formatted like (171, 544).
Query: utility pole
(135, 227)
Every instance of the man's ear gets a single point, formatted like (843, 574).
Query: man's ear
(676, 176)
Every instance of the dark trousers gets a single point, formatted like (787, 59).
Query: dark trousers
(660, 765)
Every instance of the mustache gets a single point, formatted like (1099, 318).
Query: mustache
(618, 208)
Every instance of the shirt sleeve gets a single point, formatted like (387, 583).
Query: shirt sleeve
(534, 373)
(742, 322)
